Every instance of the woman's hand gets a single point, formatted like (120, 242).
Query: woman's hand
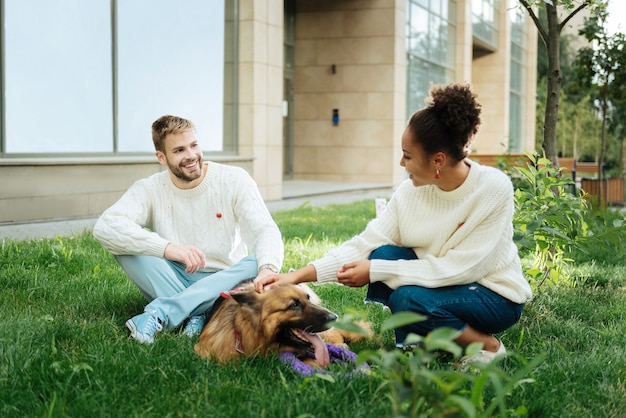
(354, 274)
(264, 282)
(265, 279)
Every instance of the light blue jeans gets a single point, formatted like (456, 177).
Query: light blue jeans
(450, 306)
(176, 295)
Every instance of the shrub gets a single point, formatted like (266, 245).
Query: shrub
(555, 227)
(549, 221)
(605, 240)
(418, 385)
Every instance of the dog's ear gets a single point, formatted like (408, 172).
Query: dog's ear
(246, 297)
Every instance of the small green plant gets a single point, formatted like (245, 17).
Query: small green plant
(606, 240)
(549, 220)
(65, 251)
(420, 385)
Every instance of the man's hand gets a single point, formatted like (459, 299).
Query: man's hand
(354, 274)
(188, 255)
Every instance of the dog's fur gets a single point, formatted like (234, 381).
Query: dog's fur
(280, 319)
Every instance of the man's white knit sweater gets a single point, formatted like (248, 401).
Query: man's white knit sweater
(460, 237)
(222, 216)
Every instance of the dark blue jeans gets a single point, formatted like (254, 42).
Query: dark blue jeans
(450, 306)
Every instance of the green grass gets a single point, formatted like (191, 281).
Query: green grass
(64, 349)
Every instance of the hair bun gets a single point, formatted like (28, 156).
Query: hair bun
(457, 108)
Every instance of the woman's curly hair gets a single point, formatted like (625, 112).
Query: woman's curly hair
(448, 122)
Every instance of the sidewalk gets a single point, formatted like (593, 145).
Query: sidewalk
(296, 193)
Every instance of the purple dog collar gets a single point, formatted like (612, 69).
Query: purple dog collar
(337, 355)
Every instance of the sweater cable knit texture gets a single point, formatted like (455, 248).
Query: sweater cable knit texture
(219, 216)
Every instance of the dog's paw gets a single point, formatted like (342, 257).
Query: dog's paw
(340, 337)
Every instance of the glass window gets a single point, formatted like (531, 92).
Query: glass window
(91, 76)
(435, 6)
(58, 76)
(171, 61)
(485, 22)
(417, 32)
(515, 124)
(430, 48)
(436, 27)
(516, 109)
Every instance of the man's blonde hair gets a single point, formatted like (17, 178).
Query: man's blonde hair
(166, 125)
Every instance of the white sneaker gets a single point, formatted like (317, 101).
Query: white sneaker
(144, 327)
(194, 326)
(483, 357)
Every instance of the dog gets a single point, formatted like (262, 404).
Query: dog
(282, 319)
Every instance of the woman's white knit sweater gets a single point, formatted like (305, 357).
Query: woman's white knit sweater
(461, 236)
(223, 216)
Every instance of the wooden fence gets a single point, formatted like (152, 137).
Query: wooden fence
(613, 188)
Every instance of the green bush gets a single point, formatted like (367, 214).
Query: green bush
(420, 382)
(556, 228)
(605, 240)
(549, 221)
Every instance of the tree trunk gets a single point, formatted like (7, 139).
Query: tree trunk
(555, 78)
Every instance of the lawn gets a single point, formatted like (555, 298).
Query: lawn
(64, 349)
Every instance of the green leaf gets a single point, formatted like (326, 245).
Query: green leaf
(326, 377)
(401, 319)
(443, 339)
(466, 406)
(473, 348)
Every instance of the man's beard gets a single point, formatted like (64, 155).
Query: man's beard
(179, 172)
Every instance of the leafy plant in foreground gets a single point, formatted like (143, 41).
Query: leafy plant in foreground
(418, 385)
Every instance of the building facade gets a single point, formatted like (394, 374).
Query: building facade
(287, 89)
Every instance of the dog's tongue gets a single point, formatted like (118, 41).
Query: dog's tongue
(321, 351)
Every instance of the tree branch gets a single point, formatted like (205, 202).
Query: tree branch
(533, 16)
(571, 15)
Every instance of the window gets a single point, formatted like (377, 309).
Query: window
(430, 38)
(91, 76)
(58, 76)
(518, 51)
(170, 61)
(485, 22)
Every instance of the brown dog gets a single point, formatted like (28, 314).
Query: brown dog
(280, 319)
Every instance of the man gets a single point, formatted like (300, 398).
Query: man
(182, 235)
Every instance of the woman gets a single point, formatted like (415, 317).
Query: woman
(443, 248)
